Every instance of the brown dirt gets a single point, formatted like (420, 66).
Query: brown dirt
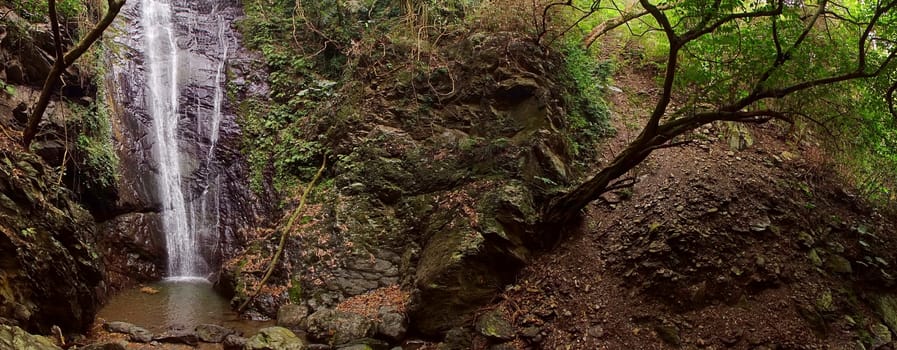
(709, 250)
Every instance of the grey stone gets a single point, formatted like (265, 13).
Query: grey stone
(135, 333)
(392, 326)
(338, 327)
(212, 333)
(234, 342)
(292, 315)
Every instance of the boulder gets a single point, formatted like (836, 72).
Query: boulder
(274, 338)
(392, 325)
(211, 333)
(292, 316)
(234, 342)
(337, 327)
(12, 337)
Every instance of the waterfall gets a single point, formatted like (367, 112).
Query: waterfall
(161, 53)
(219, 92)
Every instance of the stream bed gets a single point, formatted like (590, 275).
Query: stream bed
(182, 302)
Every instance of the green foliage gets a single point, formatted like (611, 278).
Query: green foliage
(7, 89)
(772, 52)
(36, 10)
(588, 116)
(95, 156)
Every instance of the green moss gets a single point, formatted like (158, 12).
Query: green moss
(295, 292)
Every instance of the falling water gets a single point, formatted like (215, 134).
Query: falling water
(162, 69)
(219, 92)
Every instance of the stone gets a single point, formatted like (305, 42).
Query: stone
(292, 316)
(135, 333)
(392, 325)
(337, 327)
(177, 337)
(12, 337)
(458, 338)
(503, 346)
(886, 307)
(234, 342)
(48, 247)
(212, 333)
(668, 333)
(495, 326)
(838, 264)
(813, 255)
(881, 335)
(532, 332)
(113, 345)
(274, 338)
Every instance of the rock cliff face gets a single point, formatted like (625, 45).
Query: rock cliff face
(49, 272)
(212, 169)
(435, 180)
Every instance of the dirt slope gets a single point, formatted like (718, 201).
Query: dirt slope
(714, 248)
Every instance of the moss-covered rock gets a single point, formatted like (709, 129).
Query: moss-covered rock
(12, 337)
(274, 338)
(886, 307)
(49, 270)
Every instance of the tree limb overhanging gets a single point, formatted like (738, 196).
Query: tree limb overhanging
(60, 65)
(752, 107)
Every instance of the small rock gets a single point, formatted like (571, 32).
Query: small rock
(597, 332)
(805, 239)
(274, 338)
(149, 290)
(838, 264)
(212, 333)
(495, 326)
(813, 255)
(177, 338)
(135, 334)
(881, 335)
(530, 332)
(668, 333)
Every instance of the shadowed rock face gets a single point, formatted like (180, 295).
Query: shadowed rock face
(49, 272)
(213, 175)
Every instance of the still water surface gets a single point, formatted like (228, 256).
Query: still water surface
(181, 302)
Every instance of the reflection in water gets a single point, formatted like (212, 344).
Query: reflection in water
(180, 303)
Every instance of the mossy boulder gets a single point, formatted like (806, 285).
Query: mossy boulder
(274, 338)
(12, 337)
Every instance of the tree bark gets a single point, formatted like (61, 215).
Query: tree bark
(63, 62)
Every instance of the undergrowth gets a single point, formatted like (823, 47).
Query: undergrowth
(312, 52)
